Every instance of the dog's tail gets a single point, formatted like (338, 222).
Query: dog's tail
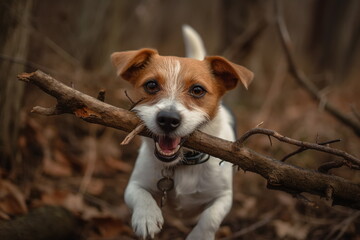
(194, 45)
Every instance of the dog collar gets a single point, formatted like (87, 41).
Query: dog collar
(194, 158)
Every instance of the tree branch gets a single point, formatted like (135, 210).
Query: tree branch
(350, 160)
(302, 149)
(303, 80)
(279, 175)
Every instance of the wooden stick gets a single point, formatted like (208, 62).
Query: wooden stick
(350, 160)
(279, 175)
(132, 134)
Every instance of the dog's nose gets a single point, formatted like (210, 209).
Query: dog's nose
(168, 120)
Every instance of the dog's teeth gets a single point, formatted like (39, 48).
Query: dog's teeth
(158, 147)
(165, 153)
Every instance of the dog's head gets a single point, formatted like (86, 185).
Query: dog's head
(179, 94)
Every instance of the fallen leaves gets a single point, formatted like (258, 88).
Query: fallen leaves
(12, 200)
(286, 230)
(110, 228)
(118, 165)
(81, 170)
(57, 166)
(84, 170)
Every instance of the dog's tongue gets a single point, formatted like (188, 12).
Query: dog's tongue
(168, 144)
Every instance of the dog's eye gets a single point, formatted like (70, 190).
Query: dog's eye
(151, 87)
(197, 91)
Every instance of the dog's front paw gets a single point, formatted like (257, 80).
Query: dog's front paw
(201, 234)
(147, 221)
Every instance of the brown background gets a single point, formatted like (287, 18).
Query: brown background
(63, 161)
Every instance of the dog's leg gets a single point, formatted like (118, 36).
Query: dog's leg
(211, 218)
(147, 219)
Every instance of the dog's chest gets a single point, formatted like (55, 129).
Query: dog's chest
(196, 186)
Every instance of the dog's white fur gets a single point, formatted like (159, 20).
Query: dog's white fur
(194, 45)
(206, 186)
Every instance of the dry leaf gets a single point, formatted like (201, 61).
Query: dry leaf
(248, 207)
(57, 197)
(4, 216)
(95, 187)
(57, 167)
(118, 164)
(110, 228)
(286, 230)
(223, 232)
(75, 203)
(12, 200)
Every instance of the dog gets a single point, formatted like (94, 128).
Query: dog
(179, 96)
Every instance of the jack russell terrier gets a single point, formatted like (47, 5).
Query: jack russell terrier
(179, 96)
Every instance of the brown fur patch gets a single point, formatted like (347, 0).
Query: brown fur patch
(215, 74)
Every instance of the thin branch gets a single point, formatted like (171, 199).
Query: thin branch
(132, 134)
(46, 111)
(128, 97)
(342, 226)
(350, 160)
(268, 217)
(133, 104)
(101, 95)
(302, 79)
(324, 168)
(279, 175)
(302, 149)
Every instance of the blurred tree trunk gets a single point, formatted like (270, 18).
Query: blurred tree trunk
(13, 43)
(335, 36)
(242, 23)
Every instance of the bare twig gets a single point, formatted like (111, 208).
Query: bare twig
(267, 218)
(133, 104)
(342, 226)
(47, 111)
(301, 149)
(259, 124)
(329, 165)
(101, 95)
(133, 133)
(303, 80)
(128, 97)
(280, 175)
(349, 159)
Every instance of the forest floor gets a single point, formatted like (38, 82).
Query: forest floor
(86, 172)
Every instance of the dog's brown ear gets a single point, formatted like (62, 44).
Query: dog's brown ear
(129, 63)
(229, 73)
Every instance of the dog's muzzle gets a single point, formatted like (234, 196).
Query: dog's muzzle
(167, 146)
(168, 121)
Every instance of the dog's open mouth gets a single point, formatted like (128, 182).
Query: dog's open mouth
(167, 148)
